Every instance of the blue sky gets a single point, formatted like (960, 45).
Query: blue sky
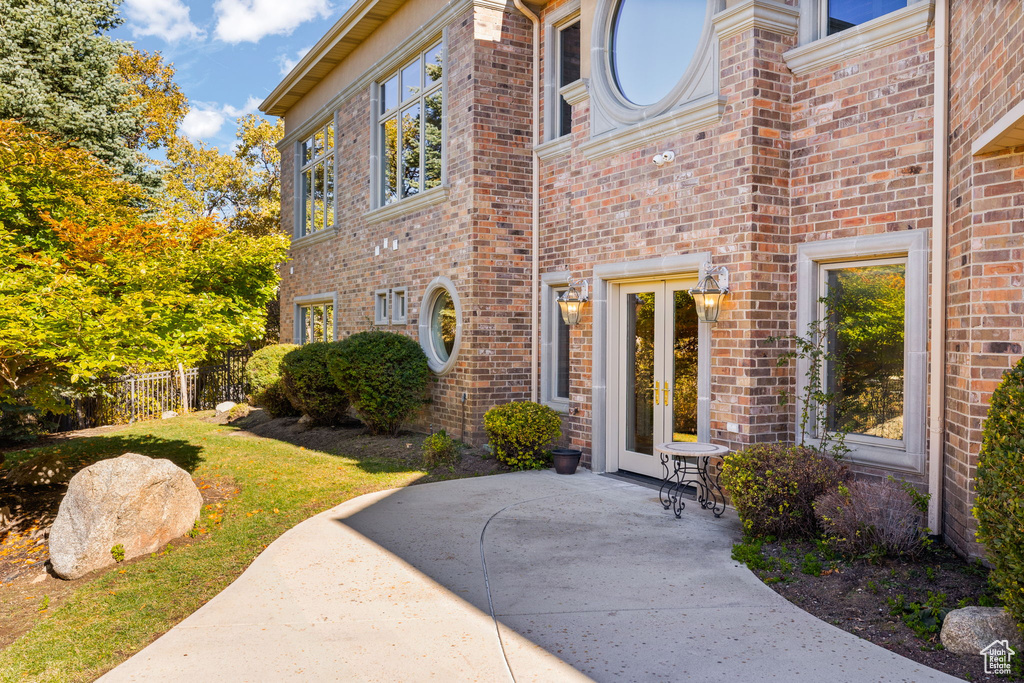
(229, 54)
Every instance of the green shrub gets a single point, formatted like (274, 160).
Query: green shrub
(384, 375)
(873, 519)
(773, 487)
(998, 484)
(263, 374)
(307, 383)
(519, 433)
(440, 450)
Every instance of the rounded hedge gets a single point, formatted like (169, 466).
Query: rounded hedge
(998, 505)
(308, 384)
(773, 487)
(520, 433)
(384, 375)
(263, 374)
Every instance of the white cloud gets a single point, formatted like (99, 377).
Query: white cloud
(205, 119)
(167, 19)
(202, 123)
(251, 20)
(288, 63)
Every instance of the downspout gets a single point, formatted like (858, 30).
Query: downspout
(940, 185)
(535, 282)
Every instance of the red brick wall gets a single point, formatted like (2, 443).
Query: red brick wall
(986, 240)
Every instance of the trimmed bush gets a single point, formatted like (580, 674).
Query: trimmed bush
(439, 450)
(520, 433)
(308, 384)
(384, 375)
(873, 518)
(263, 374)
(998, 506)
(773, 487)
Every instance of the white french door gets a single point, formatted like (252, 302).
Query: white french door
(656, 354)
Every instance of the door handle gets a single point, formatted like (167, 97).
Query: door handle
(656, 394)
(664, 398)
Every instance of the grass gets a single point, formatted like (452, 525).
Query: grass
(115, 615)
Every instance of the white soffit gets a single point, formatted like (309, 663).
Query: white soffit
(1007, 132)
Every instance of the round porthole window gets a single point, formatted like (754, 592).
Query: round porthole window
(440, 324)
(652, 44)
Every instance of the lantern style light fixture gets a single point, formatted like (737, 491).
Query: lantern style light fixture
(571, 301)
(709, 292)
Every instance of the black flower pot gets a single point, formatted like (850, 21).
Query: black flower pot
(566, 460)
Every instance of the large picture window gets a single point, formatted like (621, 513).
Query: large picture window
(864, 305)
(411, 127)
(316, 194)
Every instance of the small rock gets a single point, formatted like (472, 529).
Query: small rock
(305, 422)
(969, 630)
(225, 406)
(43, 470)
(168, 414)
(135, 501)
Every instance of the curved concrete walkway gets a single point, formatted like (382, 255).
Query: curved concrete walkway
(587, 577)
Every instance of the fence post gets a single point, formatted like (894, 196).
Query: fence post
(184, 389)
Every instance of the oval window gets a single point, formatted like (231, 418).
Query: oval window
(652, 43)
(442, 325)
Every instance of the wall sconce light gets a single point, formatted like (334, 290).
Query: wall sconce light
(571, 301)
(709, 292)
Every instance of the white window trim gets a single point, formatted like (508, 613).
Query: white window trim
(436, 286)
(817, 50)
(312, 300)
(378, 209)
(397, 292)
(551, 284)
(909, 454)
(554, 23)
(300, 238)
(381, 313)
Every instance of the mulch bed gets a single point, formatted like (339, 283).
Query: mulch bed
(861, 597)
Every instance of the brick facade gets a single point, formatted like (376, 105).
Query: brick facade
(985, 300)
(844, 150)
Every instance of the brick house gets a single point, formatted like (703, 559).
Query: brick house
(451, 166)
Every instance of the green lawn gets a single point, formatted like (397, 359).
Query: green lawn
(110, 618)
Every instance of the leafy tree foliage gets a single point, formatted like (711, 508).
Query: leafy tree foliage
(153, 93)
(89, 287)
(59, 73)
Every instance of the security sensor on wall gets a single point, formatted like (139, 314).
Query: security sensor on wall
(664, 158)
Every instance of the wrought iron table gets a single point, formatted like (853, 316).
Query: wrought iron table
(682, 460)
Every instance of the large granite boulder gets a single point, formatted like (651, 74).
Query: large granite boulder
(135, 501)
(969, 630)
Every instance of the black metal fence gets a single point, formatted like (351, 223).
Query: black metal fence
(146, 396)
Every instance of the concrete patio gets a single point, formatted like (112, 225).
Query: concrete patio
(528, 577)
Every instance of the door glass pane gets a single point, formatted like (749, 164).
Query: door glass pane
(640, 372)
(684, 368)
(866, 332)
(432, 138)
(561, 355)
(389, 160)
(411, 151)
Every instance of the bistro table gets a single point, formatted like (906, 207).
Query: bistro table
(682, 460)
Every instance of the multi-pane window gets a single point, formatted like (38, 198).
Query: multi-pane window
(568, 72)
(316, 194)
(863, 305)
(411, 127)
(844, 14)
(316, 323)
